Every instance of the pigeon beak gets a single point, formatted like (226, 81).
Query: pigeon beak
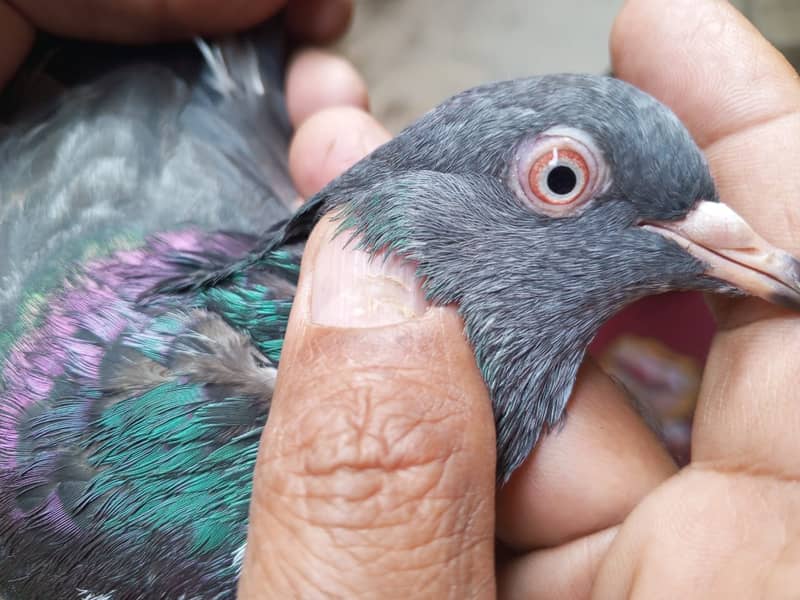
(714, 234)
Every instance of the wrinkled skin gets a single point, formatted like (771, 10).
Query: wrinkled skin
(376, 477)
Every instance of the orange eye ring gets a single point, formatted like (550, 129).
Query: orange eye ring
(559, 171)
(559, 176)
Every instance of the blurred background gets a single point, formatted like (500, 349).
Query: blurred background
(435, 49)
(415, 53)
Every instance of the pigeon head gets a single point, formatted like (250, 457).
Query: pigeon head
(541, 207)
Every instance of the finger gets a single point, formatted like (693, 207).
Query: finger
(329, 142)
(586, 477)
(317, 79)
(741, 100)
(318, 21)
(566, 572)
(737, 94)
(16, 39)
(375, 473)
(704, 535)
(145, 20)
(360, 422)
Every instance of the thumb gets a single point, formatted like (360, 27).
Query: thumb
(376, 468)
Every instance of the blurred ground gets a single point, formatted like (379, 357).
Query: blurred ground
(415, 53)
(434, 49)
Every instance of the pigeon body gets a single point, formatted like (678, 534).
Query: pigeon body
(149, 264)
(129, 429)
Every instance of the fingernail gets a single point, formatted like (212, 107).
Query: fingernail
(350, 290)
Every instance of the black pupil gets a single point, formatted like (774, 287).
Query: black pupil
(562, 180)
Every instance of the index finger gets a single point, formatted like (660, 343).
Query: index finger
(734, 91)
(144, 20)
(141, 21)
(741, 100)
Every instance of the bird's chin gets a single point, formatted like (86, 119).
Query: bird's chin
(734, 254)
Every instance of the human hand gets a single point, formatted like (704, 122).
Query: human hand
(726, 526)
(376, 470)
(375, 475)
(315, 21)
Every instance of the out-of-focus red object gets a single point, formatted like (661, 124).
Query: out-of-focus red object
(657, 348)
(681, 321)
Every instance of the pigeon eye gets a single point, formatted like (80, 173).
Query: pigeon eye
(558, 171)
(559, 176)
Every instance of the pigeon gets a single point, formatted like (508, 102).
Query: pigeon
(149, 254)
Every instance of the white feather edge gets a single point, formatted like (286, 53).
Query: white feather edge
(219, 55)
